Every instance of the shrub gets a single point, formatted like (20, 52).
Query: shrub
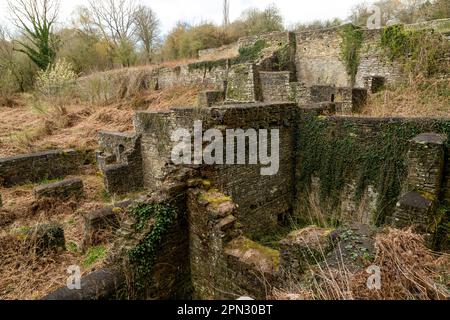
(56, 79)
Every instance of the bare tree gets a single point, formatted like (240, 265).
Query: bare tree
(11, 62)
(114, 19)
(35, 19)
(147, 29)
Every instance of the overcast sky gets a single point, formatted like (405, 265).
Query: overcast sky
(194, 11)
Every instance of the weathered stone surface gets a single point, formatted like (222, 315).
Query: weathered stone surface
(430, 138)
(97, 224)
(426, 161)
(70, 188)
(414, 209)
(38, 166)
(243, 83)
(212, 225)
(303, 248)
(252, 267)
(126, 175)
(256, 256)
(275, 86)
(46, 237)
(103, 284)
(353, 247)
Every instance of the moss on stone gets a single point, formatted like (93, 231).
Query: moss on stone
(245, 244)
(213, 196)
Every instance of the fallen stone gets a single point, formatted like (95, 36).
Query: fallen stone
(102, 284)
(413, 209)
(430, 138)
(98, 223)
(60, 190)
(208, 98)
(305, 247)
(46, 237)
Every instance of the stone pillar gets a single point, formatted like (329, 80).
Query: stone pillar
(211, 225)
(426, 159)
(425, 162)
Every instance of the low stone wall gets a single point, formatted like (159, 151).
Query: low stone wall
(103, 284)
(63, 190)
(37, 167)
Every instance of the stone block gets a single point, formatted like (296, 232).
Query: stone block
(32, 168)
(70, 188)
(303, 248)
(425, 162)
(46, 237)
(98, 223)
(414, 209)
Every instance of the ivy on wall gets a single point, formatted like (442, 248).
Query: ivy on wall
(143, 256)
(246, 54)
(339, 152)
(352, 41)
(419, 51)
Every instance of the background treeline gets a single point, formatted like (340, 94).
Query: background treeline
(120, 33)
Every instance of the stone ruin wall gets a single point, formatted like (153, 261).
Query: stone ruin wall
(221, 232)
(273, 197)
(141, 161)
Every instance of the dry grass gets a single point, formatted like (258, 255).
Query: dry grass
(409, 271)
(420, 97)
(25, 274)
(24, 129)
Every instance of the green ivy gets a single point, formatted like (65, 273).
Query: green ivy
(338, 153)
(352, 41)
(250, 53)
(208, 65)
(417, 50)
(246, 54)
(143, 256)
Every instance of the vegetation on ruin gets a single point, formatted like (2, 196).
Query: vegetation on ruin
(410, 270)
(352, 41)
(340, 155)
(143, 256)
(419, 51)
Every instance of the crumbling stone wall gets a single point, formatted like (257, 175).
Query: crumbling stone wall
(243, 84)
(374, 62)
(266, 203)
(356, 169)
(318, 58)
(37, 167)
(120, 160)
